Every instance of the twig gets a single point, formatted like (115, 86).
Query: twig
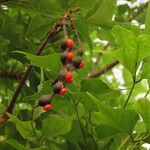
(138, 81)
(104, 69)
(53, 31)
(132, 139)
(79, 50)
(64, 29)
(99, 56)
(134, 82)
(147, 93)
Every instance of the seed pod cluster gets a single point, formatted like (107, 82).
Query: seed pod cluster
(45, 102)
(70, 61)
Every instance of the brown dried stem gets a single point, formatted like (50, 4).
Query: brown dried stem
(53, 31)
(80, 50)
(104, 69)
(64, 29)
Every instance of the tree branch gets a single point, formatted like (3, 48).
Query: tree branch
(79, 50)
(11, 75)
(98, 58)
(147, 93)
(52, 32)
(111, 65)
(104, 69)
(100, 54)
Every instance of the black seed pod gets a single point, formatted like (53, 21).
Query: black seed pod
(63, 44)
(56, 80)
(57, 87)
(76, 62)
(63, 58)
(61, 76)
(44, 100)
(66, 57)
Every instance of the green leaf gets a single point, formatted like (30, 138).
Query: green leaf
(11, 132)
(113, 94)
(84, 29)
(147, 60)
(37, 113)
(2, 107)
(100, 89)
(63, 105)
(50, 7)
(95, 86)
(147, 21)
(35, 24)
(75, 133)
(131, 49)
(105, 34)
(102, 15)
(3, 44)
(55, 125)
(135, 29)
(23, 127)
(16, 145)
(143, 107)
(122, 9)
(45, 7)
(146, 71)
(128, 47)
(120, 119)
(85, 5)
(9, 26)
(87, 102)
(143, 46)
(94, 8)
(47, 62)
(46, 89)
(104, 131)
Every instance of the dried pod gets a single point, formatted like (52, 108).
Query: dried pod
(44, 100)
(57, 87)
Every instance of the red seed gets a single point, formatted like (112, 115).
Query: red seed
(63, 91)
(70, 81)
(68, 76)
(81, 64)
(70, 43)
(47, 107)
(70, 56)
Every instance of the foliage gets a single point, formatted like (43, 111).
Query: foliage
(96, 113)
